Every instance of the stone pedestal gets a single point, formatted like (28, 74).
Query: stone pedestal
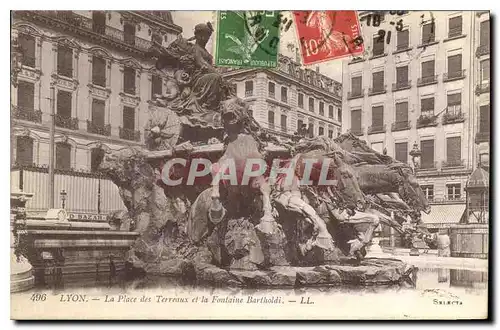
(21, 271)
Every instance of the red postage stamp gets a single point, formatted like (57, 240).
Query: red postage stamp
(326, 35)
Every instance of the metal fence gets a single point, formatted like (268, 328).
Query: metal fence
(85, 192)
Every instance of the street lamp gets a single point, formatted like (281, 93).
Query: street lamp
(415, 154)
(63, 195)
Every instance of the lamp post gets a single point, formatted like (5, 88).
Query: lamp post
(63, 195)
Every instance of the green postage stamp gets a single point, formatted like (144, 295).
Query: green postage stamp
(247, 38)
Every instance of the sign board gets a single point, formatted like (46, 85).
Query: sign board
(90, 217)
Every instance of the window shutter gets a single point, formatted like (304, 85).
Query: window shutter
(284, 94)
(98, 112)
(455, 99)
(283, 123)
(378, 116)
(401, 152)
(321, 131)
(301, 100)
(299, 125)
(270, 118)
(378, 46)
(311, 104)
(402, 112)
(248, 86)
(484, 37)
(129, 118)
(484, 119)
(129, 80)
(64, 104)
(63, 156)
(427, 105)
(378, 80)
(25, 95)
(321, 108)
(427, 148)
(24, 150)
(330, 111)
(454, 64)
(27, 44)
(428, 69)
(428, 33)
(402, 74)
(339, 114)
(156, 86)
(271, 88)
(356, 85)
(98, 71)
(453, 152)
(485, 70)
(403, 39)
(356, 120)
(455, 26)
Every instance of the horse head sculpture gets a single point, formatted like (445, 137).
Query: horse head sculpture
(348, 186)
(410, 190)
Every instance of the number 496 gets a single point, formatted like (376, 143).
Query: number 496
(38, 297)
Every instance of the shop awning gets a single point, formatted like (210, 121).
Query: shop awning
(444, 214)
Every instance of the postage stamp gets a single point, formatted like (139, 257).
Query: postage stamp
(247, 38)
(327, 35)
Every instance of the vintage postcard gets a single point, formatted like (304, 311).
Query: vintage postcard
(329, 165)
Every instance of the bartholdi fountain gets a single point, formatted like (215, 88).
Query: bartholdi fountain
(266, 231)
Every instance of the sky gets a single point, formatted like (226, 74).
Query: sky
(188, 19)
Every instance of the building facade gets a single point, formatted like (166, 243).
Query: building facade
(91, 67)
(416, 88)
(285, 99)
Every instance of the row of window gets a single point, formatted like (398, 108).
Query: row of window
(65, 67)
(427, 110)
(428, 75)
(284, 98)
(427, 160)
(25, 152)
(455, 28)
(25, 101)
(453, 191)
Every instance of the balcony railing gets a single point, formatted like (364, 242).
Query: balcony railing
(129, 134)
(482, 137)
(426, 166)
(453, 163)
(376, 129)
(400, 126)
(249, 93)
(428, 40)
(482, 50)
(66, 122)
(400, 85)
(81, 22)
(27, 114)
(427, 80)
(377, 90)
(483, 88)
(355, 94)
(98, 129)
(358, 131)
(454, 75)
(426, 121)
(453, 117)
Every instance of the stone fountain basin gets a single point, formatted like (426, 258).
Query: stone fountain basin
(370, 271)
